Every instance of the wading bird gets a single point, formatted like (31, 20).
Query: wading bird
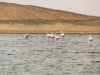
(26, 35)
(90, 39)
(56, 37)
(48, 36)
(62, 34)
(52, 37)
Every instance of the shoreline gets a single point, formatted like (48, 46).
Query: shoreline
(34, 32)
(43, 29)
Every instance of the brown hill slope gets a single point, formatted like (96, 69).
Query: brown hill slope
(9, 11)
(16, 18)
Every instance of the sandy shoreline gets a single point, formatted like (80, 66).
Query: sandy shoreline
(32, 32)
(56, 28)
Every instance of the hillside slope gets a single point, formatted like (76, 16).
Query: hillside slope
(15, 18)
(10, 11)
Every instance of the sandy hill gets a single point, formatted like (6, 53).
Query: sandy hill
(9, 11)
(15, 14)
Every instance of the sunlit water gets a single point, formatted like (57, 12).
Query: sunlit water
(71, 55)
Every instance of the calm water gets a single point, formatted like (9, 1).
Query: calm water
(71, 55)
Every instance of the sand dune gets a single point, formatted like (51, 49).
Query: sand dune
(16, 18)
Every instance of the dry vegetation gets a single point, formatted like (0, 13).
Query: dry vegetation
(16, 18)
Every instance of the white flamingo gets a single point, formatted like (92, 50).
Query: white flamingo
(56, 37)
(90, 39)
(62, 34)
(48, 36)
(52, 37)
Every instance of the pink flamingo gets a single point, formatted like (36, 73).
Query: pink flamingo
(26, 35)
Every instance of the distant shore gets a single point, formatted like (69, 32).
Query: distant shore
(32, 32)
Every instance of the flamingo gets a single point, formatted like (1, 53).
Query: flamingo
(52, 36)
(90, 39)
(56, 37)
(62, 34)
(26, 35)
(48, 36)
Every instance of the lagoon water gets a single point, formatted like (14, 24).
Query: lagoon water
(71, 55)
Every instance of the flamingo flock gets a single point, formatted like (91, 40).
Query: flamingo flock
(53, 36)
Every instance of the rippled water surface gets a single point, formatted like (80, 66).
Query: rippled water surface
(71, 55)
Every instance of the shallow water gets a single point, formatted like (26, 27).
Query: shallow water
(71, 55)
